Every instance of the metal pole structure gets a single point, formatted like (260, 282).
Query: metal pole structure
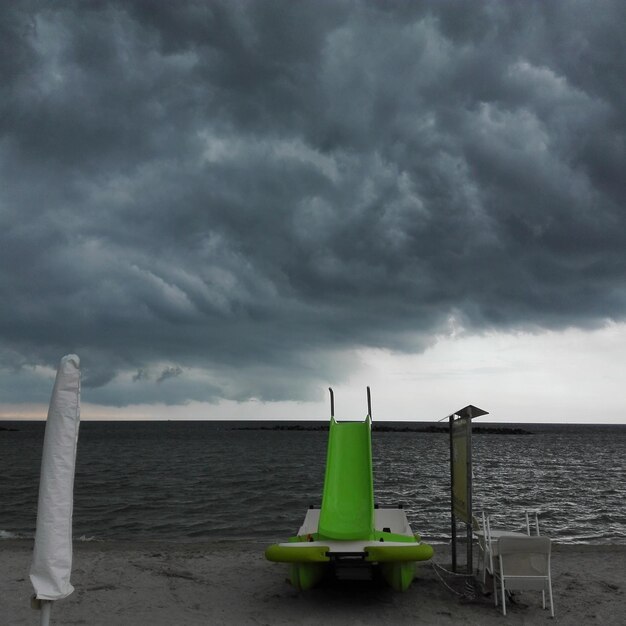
(332, 402)
(467, 413)
(468, 522)
(369, 403)
(46, 607)
(452, 516)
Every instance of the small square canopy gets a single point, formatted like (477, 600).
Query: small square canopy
(470, 411)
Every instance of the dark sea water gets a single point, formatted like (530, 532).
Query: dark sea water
(185, 481)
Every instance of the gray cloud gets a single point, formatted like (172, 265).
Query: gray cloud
(238, 192)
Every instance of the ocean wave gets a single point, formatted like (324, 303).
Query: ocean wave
(7, 534)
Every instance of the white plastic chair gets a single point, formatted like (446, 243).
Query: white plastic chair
(487, 542)
(523, 563)
(479, 527)
(527, 516)
(536, 523)
(489, 565)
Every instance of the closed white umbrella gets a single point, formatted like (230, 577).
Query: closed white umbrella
(52, 556)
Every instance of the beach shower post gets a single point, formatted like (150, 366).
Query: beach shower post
(461, 477)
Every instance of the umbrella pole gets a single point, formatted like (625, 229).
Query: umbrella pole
(46, 607)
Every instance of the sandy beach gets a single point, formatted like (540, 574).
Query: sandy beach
(231, 583)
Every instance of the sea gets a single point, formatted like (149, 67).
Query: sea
(188, 481)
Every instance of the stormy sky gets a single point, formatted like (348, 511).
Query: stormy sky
(239, 201)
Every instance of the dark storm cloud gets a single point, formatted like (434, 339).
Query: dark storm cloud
(169, 372)
(217, 199)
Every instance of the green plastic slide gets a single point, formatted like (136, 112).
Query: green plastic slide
(347, 515)
(347, 511)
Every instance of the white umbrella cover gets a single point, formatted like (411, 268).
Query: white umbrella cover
(52, 556)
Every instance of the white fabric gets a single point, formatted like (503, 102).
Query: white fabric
(52, 556)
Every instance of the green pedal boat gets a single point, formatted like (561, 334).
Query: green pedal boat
(349, 534)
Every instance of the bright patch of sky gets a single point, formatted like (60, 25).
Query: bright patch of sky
(571, 376)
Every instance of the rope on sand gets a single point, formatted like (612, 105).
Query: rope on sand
(470, 592)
